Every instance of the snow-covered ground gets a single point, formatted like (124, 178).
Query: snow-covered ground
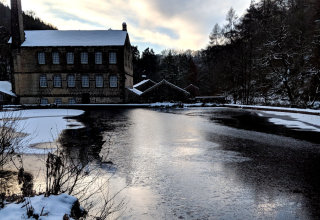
(296, 118)
(41, 125)
(293, 120)
(53, 207)
(185, 105)
(313, 111)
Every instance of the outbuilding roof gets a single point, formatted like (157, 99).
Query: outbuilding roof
(54, 38)
(136, 91)
(143, 82)
(165, 82)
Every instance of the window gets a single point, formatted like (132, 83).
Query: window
(43, 81)
(70, 58)
(57, 81)
(112, 58)
(85, 81)
(71, 81)
(84, 58)
(41, 58)
(98, 58)
(1, 98)
(72, 101)
(55, 58)
(113, 81)
(58, 101)
(99, 81)
(44, 102)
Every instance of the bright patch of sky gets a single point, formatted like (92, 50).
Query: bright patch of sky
(159, 24)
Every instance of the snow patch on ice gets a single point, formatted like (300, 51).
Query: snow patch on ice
(42, 126)
(275, 108)
(296, 120)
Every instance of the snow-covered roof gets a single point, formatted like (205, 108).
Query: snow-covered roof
(6, 88)
(136, 91)
(142, 82)
(191, 85)
(53, 38)
(168, 83)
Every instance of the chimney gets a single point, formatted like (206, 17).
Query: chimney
(17, 31)
(124, 26)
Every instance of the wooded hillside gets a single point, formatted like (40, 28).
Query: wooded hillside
(30, 21)
(269, 56)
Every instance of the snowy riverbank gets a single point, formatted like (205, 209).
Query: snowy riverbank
(46, 208)
(295, 121)
(41, 126)
(294, 118)
(272, 108)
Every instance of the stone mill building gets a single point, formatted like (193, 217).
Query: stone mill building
(69, 67)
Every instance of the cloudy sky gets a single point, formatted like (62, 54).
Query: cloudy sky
(159, 24)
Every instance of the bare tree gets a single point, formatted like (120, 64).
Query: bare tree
(10, 132)
(216, 35)
(230, 31)
(66, 173)
(10, 142)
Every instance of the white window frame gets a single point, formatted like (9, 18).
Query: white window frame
(98, 57)
(41, 58)
(84, 59)
(57, 81)
(113, 81)
(85, 81)
(99, 81)
(55, 58)
(71, 83)
(70, 58)
(112, 58)
(43, 82)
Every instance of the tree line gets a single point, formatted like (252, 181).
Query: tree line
(271, 55)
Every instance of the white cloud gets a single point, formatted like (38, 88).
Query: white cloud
(176, 24)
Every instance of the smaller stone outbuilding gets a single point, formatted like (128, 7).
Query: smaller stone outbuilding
(6, 94)
(164, 91)
(193, 90)
(133, 95)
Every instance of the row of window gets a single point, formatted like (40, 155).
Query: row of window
(70, 58)
(58, 101)
(85, 82)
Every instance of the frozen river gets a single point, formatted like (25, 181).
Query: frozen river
(213, 163)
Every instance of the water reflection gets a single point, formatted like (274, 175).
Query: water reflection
(204, 163)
